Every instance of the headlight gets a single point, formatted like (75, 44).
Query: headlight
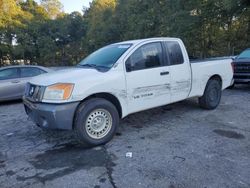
(58, 91)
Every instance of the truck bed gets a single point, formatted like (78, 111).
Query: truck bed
(203, 70)
(209, 59)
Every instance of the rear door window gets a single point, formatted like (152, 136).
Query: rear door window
(10, 73)
(174, 52)
(30, 72)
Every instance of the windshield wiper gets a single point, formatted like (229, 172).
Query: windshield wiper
(93, 66)
(87, 65)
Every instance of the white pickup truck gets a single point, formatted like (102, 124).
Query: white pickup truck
(121, 79)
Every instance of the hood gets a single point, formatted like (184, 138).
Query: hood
(64, 76)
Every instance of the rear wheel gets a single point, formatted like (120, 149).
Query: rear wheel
(212, 95)
(96, 121)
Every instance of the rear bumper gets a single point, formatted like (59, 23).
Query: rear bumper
(51, 116)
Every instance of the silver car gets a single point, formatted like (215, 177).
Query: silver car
(14, 78)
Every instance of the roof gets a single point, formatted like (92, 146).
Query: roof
(24, 66)
(147, 39)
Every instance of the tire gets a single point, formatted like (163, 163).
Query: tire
(212, 95)
(96, 121)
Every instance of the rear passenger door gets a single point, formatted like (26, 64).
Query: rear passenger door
(180, 71)
(147, 78)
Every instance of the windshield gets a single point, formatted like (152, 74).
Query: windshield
(105, 57)
(244, 55)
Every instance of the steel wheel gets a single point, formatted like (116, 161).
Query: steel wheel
(98, 123)
(212, 95)
(95, 122)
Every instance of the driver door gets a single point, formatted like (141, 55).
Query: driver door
(147, 77)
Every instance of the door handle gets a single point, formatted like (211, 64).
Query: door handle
(15, 81)
(164, 73)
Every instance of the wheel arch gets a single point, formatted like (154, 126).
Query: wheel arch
(216, 77)
(213, 77)
(109, 97)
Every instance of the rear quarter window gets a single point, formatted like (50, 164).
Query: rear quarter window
(31, 71)
(174, 52)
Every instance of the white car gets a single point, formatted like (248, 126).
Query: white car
(121, 79)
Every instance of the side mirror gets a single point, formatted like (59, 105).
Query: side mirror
(234, 57)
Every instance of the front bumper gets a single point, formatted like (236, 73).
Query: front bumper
(242, 81)
(51, 116)
(242, 77)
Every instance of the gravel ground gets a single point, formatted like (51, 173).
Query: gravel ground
(175, 146)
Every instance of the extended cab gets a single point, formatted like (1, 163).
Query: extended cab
(121, 79)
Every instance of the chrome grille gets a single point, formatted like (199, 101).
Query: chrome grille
(242, 67)
(34, 92)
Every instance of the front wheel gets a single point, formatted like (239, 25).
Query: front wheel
(96, 122)
(212, 95)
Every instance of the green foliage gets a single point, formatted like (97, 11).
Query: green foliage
(40, 38)
(208, 27)
(53, 8)
(43, 34)
(10, 14)
(100, 29)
